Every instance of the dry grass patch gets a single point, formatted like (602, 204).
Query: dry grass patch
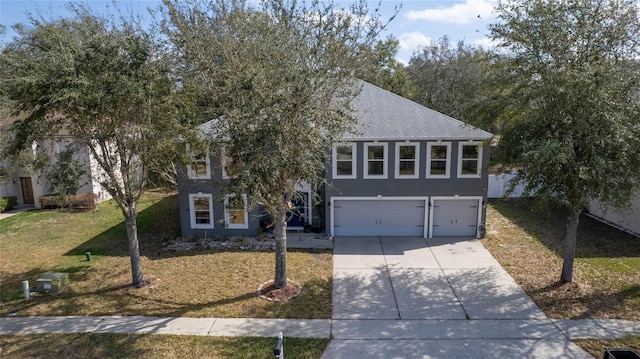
(529, 246)
(192, 284)
(597, 347)
(152, 346)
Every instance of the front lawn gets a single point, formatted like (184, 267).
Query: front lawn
(190, 284)
(152, 346)
(528, 244)
(597, 347)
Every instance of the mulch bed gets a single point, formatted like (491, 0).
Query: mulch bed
(267, 291)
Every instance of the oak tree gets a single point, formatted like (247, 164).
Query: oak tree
(574, 129)
(279, 77)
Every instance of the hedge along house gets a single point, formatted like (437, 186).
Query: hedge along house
(408, 171)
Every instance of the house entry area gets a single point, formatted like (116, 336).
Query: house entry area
(406, 216)
(26, 188)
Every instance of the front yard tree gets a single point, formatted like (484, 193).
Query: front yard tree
(575, 76)
(103, 81)
(280, 74)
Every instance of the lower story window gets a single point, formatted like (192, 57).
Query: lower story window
(235, 212)
(201, 210)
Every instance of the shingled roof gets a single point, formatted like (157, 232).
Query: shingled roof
(384, 115)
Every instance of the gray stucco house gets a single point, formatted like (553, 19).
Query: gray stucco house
(410, 171)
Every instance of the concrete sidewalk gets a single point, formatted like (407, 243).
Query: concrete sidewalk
(15, 211)
(325, 328)
(219, 327)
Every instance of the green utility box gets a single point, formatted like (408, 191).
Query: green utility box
(52, 282)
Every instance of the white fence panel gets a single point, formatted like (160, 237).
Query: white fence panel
(499, 184)
(628, 221)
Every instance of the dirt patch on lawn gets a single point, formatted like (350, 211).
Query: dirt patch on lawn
(269, 292)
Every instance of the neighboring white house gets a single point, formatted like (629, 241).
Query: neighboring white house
(628, 221)
(28, 185)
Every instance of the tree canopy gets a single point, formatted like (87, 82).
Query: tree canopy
(449, 78)
(574, 75)
(105, 83)
(280, 74)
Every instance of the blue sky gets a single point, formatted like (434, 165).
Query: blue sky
(418, 22)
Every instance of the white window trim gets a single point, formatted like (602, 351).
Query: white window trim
(416, 174)
(447, 172)
(385, 162)
(191, 174)
(223, 163)
(479, 170)
(192, 211)
(229, 225)
(334, 160)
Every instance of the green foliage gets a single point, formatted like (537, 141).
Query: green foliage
(8, 203)
(450, 79)
(64, 175)
(383, 70)
(281, 74)
(575, 68)
(76, 201)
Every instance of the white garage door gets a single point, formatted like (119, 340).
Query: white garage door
(455, 217)
(379, 217)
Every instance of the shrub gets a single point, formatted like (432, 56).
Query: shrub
(8, 203)
(76, 201)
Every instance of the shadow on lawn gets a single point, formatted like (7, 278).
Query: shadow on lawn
(154, 222)
(595, 239)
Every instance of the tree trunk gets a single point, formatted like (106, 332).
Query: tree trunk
(569, 244)
(130, 219)
(280, 232)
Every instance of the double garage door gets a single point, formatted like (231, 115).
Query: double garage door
(449, 217)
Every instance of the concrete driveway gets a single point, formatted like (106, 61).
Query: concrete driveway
(432, 298)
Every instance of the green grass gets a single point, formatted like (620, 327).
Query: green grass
(192, 284)
(597, 347)
(152, 346)
(529, 245)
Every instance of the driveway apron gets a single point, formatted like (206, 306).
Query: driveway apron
(405, 297)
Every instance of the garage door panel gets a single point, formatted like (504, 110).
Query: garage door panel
(455, 217)
(379, 217)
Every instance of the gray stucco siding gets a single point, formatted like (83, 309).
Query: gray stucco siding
(418, 187)
(187, 186)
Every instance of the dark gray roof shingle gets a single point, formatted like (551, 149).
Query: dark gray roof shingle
(386, 116)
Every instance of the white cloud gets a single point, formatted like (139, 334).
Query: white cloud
(412, 40)
(460, 13)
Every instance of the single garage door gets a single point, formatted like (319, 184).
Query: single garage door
(379, 217)
(455, 217)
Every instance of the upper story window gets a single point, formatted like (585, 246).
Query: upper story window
(375, 160)
(198, 167)
(344, 160)
(438, 159)
(469, 159)
(407, 155)
(201, 210)
(235, 212)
